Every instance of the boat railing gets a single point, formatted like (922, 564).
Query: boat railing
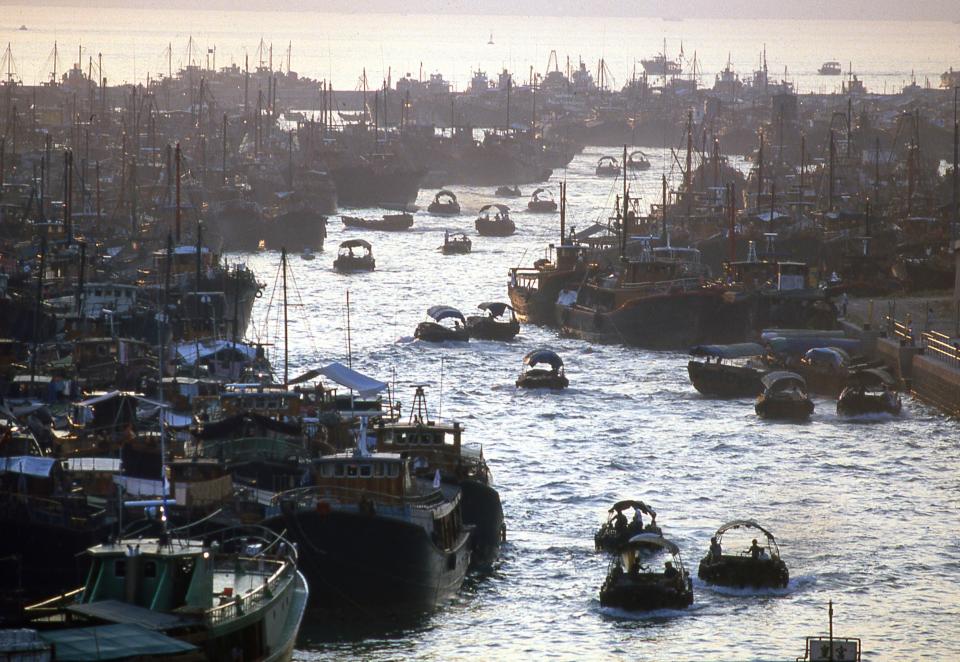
(313, 494)
(252, 600)
(663, 286)
(940, 346)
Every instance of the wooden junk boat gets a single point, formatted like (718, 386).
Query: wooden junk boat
(869, 391)
(456, 243)
(500, 225)
(632, 586)
(444, 204)
(726, 380)
(608, 166)
(374, 538)
(533, 377)
(616, 532)
(389, 222)
(542, 202)
(438, 447)
(638, 161)
(508, 192)
(168, 598)
(347, 261)
(493, 326)
(784, 396)
(433, 331)
(760, 566)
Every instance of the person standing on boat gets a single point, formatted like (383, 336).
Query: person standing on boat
(755, 550)
(716, 551)
(669, 571)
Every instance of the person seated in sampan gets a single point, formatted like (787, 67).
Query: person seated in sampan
(669, 571)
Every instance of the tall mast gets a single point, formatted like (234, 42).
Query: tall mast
(286, 337)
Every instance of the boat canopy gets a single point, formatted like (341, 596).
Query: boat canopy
(735, 351)
(503, 209)
(439, 313)
(636, 152)
(353, 380)
(542, 194)
(116, 641)
(872, 378)
(620, 506)
(782, 379)
(655, 540)
(607, 161)
(543, 356)
(829, 355)
(798, 345)
(744, 524)
(356, 243)
(495, 308)
(445, 195)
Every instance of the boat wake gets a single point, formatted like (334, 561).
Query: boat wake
(794, 585)
(653, 615)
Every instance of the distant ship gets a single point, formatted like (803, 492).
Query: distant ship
(23, 27)
(830, 69)
(659, 65)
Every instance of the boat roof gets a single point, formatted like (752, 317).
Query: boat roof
(117, 611)
(872, 377)
(536, 194)
(503, 208)
(27, 465)
(355, 243)
(636, 505)
(353, 457)
(734, 351)
(654, 539)
(149, 547)
(495, 308)
(744, 524)
(782, 377)
(543, 356)
(439, 313)
(119, 641)
(445, 193)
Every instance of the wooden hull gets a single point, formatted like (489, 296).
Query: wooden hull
(484, 328)
(744, 571)
(725, 381)
(495, 228)
(433, 332)
(782, 408)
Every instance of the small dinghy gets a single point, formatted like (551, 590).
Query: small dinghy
(389, 222)
(542, 202)
(713, 377)
(494, 325)
(759, 566)
(614, 534)
(608, 166)
(444, 204)
(509, 192)
(784, 396)
(638, 161)
(433, 330)
(349, 261)
(633, 586)
(456, 243)
(497, 225)
(533, 377)
(869, 391)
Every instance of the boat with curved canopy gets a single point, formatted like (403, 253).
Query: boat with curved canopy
(638, 161)
(348, 261)
(633, 586)
(542, 202)
(494, 325)
(715, 378)
(760, 566)
(433, 330)
(608, 166)
(444, 204)
(825, 369)
(509, 192)
(494, 221)
(456, 243)
(389, 222)
(869, 391)
(533, 377)
(784, 396)
(616, 532)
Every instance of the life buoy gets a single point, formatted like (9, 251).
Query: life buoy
(259, 294)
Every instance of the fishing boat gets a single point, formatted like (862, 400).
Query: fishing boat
(784, 396)
(307, 255)
(389, 222)
(617, 531)
(432, 330)
(760, 566)
(660, 65)
(508, 191)
(499, 225)
(542, 202)
(456, 243)
(436, 446)
(169, 598)
(533, 377)
(347, 261)
(869, 391)
(608, 166)
(831, 68)
(633, 586)
(378, 540)
(714, 378)
(831, 648)
(638, 161)
(492, 325)
(444, 204)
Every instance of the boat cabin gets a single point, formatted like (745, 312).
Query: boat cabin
(352, 476)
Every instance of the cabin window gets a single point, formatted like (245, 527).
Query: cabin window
(150, 569)
(338, 470)
(394, 470)
(378, 469)
(326, 470)
(120, 568)
(351, 471)
(98, 293)
(365, 470)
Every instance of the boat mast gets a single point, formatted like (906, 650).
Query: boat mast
(286, 336)
(956, 162)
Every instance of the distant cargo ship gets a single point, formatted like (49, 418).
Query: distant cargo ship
(659, 65)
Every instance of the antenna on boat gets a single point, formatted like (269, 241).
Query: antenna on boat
(418, 410)
(440, 410)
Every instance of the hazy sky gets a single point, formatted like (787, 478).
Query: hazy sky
(818, 9)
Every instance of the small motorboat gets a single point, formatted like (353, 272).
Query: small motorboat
(433, 330)
(825, 369)
(532, 377)
(870, 391)
(784, 396)
(509, 192)
(608, 166)
(444, 204)
(493, 326)
(715, 378)
(307, 254)
(456, 243)
(542, 202)
(389, 222)
(616, 532)
(633, 586)
(638, 161)
(832, 68)
(498, 225)
(760, 566)
(348, 261)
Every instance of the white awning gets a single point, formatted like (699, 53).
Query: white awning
(351, 379)
(28, 465)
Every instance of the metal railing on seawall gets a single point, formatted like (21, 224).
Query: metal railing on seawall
(939, 346)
